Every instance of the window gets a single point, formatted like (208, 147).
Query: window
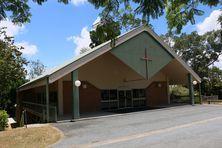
(105, 94)
(113, 94)
(139, 99)
(138, 93)
(109, 99)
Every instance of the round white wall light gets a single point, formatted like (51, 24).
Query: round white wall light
(77, 83)
(194, 82)
(84, 86)
(159, 85)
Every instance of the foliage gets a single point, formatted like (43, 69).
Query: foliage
(178, 13)
(169, 39)
(199, 51)
(179, 90)
(36, 68)
(117, 15)
(220, 20)
(129, 14)
(12, 71)
(3, 120)
(103, 32)
(213, 81)
(180, 94)
(215, 75)
(18, 10)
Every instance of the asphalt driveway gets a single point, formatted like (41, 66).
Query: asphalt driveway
(198, 126)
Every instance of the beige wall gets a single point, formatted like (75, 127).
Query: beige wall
(176, 73)
(107, 72)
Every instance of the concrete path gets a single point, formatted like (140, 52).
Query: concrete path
(197, 126)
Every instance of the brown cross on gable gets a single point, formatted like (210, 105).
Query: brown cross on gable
(146, 59)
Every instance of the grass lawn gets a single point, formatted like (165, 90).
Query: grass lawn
(29, 137)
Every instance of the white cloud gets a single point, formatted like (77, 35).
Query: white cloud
(210, 23)
(219, 63)
(97, 20)
(29, 49)
(96, 23)
(81, 41)
(12, 29)
(78, 2)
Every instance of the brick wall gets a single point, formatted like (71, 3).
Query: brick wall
(156, 94)
(67, 97)
(89, 97)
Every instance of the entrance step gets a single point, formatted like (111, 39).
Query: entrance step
(128, 110)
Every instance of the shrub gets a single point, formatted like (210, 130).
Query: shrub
(3, 120)
(179, 90)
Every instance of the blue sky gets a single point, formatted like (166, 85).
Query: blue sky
(57, 31)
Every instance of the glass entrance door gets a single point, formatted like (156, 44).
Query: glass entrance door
(128, 97)
(121, 95)
(125, 98)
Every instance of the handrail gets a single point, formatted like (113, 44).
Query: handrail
(39, 109)
(37, 104)
(212, 97)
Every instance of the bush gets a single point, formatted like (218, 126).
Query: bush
(3, 120)
(179, 90)
(180, 94)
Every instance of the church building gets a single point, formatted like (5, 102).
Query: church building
(135, 73)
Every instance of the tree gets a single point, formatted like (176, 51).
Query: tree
(220, 20)
(215, 75)
(129, 14)
(19, 10)
(36, 68)
(125, 14)
(103, 32)
(178, 13)
(12, 71)
(199, 51)
(169, 39)
(213, 81)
